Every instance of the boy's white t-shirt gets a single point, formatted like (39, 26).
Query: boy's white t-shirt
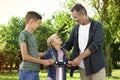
(83, 36)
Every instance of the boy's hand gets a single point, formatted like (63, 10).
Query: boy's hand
(47, 62)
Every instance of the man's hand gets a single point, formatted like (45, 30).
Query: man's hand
(69, 63)
(76, 61)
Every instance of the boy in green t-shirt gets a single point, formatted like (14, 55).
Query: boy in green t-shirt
(30, 66)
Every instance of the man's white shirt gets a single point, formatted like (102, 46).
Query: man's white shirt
(83, 36)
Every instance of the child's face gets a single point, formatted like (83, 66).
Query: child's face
(35, 24)
(56, 40)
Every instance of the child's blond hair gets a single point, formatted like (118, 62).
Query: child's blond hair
(49, 40)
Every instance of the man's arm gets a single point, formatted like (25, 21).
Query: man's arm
(70, 42)
(97, 39)
(77, 60)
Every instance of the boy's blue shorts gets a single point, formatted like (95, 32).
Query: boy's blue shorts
(28, 75)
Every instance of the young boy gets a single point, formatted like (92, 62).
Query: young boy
(54, 44)
(30, 66)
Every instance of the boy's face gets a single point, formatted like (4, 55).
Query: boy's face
(34, 24)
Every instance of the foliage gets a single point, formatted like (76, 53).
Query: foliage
(108, 14)
(68, 4)
(43, 33)
(9, 41)
(115, 55)
(63, 23)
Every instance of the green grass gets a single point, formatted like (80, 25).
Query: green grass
(14, 76)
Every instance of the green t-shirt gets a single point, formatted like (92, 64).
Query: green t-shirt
(31, 49)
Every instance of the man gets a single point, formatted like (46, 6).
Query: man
(86, 39)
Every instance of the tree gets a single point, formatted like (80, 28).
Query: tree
(63, 21)
(108, 14)
(115, 55)
(45, 30)
(9, 41)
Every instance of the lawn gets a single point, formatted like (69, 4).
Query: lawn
(14, 76)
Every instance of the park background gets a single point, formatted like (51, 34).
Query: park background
(61, 22)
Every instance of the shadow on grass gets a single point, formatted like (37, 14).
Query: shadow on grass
(114, 77)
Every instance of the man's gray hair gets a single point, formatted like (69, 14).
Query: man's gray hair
(79, 8)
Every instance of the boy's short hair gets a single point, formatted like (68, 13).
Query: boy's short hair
(32, 15)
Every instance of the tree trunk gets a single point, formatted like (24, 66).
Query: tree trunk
(108, 60)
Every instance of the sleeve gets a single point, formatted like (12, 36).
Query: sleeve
(47, 55)
(97, 40)
(69, 43)
(22, 38)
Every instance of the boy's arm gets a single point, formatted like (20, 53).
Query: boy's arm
(29, 58)
(42, 54)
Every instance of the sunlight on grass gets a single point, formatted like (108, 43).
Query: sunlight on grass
(115, 75)
(43, 76)
(9, 76)
(75, 77)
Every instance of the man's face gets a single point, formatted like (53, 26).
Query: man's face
(79, 18)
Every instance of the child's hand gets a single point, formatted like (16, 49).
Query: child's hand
(51, 61)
